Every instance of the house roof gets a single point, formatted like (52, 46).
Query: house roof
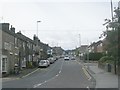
(96, 43)
(5, 27)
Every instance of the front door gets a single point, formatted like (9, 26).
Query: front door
(4, 64)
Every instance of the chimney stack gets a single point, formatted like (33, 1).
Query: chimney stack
(12, 29)
(5, 26)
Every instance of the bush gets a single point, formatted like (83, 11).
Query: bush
(30, 65)
(93, 56)
(107, 59)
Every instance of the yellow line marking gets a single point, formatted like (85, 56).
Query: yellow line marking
(86, 73)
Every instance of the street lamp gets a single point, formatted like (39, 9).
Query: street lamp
(37, 31)
(37, 27)
(37, 47)
(79, 45)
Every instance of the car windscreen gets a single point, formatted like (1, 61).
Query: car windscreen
(42, 62)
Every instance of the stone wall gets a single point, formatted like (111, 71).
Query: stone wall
(107, 67)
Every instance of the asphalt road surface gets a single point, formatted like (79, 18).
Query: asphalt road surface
(61, 74)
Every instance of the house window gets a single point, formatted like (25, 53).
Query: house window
(92, 48)
(24, 63)
(15, 41)
(7, 46)
(29, 57)
(101, 44)
(4, 64)
(29, 45)
(24, 45)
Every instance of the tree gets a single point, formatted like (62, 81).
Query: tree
(112, 35)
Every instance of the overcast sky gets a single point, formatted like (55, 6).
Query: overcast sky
(61, 20)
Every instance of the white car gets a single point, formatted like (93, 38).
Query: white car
(43, 63)
(66, 58)
(48, 62)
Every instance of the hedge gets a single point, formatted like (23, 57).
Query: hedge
(93, 56)
(106, 59)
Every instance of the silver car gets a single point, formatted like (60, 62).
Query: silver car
(51, 60)
(43, 63)
(48, 62)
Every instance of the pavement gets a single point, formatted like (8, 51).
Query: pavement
(103, 79)
(22, 74)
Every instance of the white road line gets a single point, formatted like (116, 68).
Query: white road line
(88, 87)
(37, 85)
(61, 66)
(57, 75)
(30, 73)
(59, 72)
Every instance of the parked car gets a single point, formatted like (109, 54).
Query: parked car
(57, 57)
(43, 63)
(48, 62)
(72, 58)
(66, 58)
(51, 60)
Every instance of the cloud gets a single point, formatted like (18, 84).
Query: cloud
(61, 22)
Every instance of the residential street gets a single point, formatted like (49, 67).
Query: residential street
(65, 44)
(61, 74)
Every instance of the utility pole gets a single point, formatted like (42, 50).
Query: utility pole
(79, 45)
(112, 10)
(88, 52)
(79, 40)
(113, 28)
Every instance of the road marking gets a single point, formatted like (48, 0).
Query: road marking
(59, 71)
(78, 62)
(57, 75)
(88, 87)
(37, 85)
(30, 73)
(86, 73)
(10, 78)
(61, 66)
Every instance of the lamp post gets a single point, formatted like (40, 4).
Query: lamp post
(37, 47)
(79, 45)
(37, 27)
